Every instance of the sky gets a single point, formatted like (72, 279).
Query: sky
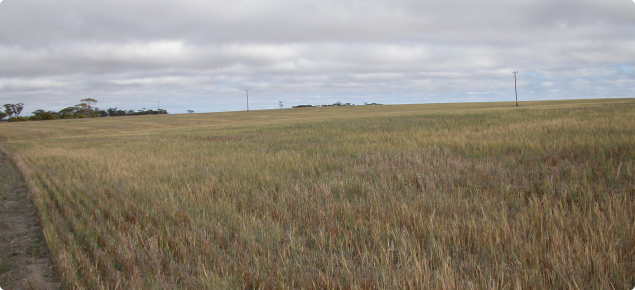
(202, 55)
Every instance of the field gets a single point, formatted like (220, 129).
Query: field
(441, 196)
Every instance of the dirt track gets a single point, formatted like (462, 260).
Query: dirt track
(25, 262)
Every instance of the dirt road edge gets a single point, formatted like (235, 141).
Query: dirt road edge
(25, 261)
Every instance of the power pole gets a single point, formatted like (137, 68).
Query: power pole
(247, 91)
(158, 108)
(515, 88)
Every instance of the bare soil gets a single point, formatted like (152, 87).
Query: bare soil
(25, 262)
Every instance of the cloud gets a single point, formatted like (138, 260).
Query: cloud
(30, 84)
(54, 53)
(169, 81)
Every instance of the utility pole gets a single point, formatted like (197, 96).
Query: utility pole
(515, 88)
(158, 108)
(247, 91)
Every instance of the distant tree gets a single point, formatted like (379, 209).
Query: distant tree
(336, 104)
(190, 111)
(8, 109)
(112, 111)
(18, 108)
(90, 103)
(17, 119)
(50, 116)
(101, 113)
(68, 113)
(13, 109)
(83, 108)
(44, 115)
(87, 107)
(2, 115)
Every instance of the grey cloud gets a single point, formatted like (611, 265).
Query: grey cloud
(54, 52)
(298, 21)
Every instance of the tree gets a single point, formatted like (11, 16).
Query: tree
(2, 115)
(18, 108)
(90, 102)
(83, 108)
(44, 115)
(13, 109)
(68, 112)
(101, 113)
(87, 107)
(8, 109)
(112, 111)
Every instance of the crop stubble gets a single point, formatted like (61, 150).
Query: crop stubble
(475, 196)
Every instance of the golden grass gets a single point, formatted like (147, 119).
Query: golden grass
(445, 196)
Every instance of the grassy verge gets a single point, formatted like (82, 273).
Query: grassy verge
(448, 196)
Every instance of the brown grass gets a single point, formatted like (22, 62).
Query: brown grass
(472, 196)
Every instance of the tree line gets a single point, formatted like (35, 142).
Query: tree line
(85, 109)
(336, 104)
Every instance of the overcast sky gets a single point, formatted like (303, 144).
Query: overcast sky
(203, 55)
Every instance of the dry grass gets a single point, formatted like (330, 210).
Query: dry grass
(472, 196)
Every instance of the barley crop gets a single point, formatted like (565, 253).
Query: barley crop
(447, 196)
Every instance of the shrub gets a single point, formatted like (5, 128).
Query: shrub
(49, 116)
(44, 115)
(17, 119)
(81, 116)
